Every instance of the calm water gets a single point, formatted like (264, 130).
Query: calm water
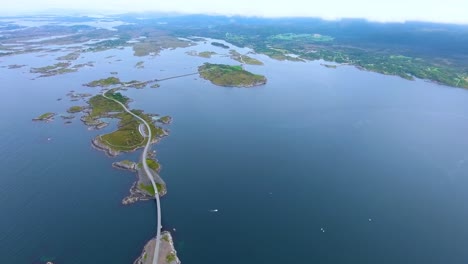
(318, 166)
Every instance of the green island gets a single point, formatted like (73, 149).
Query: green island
(49, 116)
(110, 81)
(206, 54)
(228, 75)
(203, 54)
(221, 45)
(157, 42)
(165, 120)
(104, 82)
(56, 69)
(244, 58)
(75, 109)
(71, 56)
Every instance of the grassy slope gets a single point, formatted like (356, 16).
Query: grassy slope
(226, 75)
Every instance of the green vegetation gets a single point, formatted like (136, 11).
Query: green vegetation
(152, 164)
(117, 96)
(127, 162)
(71, 56)
(147, 188)
(45, 116)
(126, 137)
(134, 84)
(390, 64)
(206, 54)
(156, 85)
(104, 82)
(101, 106)
(402, 50)
(170, 257)
(244, 58)
(165, 238)
(277, 54)
(150, 190)
(221, 45)
(152, 46)
(363, 45)
(75, 109)
(226, 75)
(56, 69)
(403, 66)
(165, 119)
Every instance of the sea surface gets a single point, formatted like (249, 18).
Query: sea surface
(317, 166)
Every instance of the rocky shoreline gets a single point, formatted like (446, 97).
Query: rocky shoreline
(97, 144)
(167, 252)
(137, 193)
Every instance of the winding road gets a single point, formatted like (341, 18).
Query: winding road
(148, 172)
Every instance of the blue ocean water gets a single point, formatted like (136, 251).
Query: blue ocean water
(318, 166)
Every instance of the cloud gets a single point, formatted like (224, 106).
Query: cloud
(447, 11)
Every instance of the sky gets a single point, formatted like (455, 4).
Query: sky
(445, 11)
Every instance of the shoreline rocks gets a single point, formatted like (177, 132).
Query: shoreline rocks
(125, 165)
(96, 143)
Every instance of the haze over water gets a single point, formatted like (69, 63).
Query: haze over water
(324, 165)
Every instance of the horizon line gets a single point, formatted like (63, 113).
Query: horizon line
(96, 13)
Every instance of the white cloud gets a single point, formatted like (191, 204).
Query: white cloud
(448, 11)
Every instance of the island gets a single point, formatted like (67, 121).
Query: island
(75, 109)
(45, 117)
(221, 45)
(104, 82)
(165, 120)
(56, 69)
(231, 76)
(203, 54)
